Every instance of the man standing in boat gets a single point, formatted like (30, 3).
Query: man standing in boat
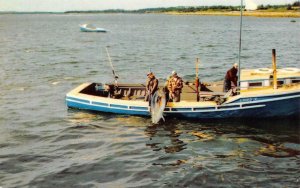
(166, 90)
(175, 86)
(231, 78)
(151, 86)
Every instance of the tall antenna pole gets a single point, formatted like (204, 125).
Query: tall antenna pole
(240, 42)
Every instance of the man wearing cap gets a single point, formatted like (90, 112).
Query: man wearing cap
(231, 78)
(166, 90)
(151, 86)
(175, 86)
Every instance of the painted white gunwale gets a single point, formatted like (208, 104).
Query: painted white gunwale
(75, 94)
(218, 110)
(108, 106)
(257, 94)
(192, 110)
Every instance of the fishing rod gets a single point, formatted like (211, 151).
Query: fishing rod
(112, 67)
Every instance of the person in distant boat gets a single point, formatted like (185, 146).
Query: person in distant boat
(151, 86)
(175, 86)
(231, 78)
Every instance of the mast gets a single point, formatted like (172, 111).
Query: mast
(197, 82)
(274, 69)
(112, 67)
(240, 43)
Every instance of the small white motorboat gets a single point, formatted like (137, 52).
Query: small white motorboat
(91, 28)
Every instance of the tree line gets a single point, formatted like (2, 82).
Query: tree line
(183, 9)
(293, 6)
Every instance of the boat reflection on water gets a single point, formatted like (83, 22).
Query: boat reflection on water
(158, 142)
(222, 139)
(226, 152)
(277, 138)
(189, 153)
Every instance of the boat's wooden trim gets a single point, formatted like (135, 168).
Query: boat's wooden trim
(269, 90)
(266, 92)
(253, 93)
(265, 103)
(254, 75)
(76, 93)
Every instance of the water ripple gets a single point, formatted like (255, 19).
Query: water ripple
(44, 144)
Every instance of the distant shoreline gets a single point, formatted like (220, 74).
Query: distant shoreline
(291, 14)
(263, 11)
(257, 13)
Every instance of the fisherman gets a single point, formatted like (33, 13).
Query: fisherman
(197, 85)
(166, 90)
(175, 86)
(231, 78)
(151, 86)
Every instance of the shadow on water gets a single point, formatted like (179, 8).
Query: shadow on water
(183, 151)
(274, 138)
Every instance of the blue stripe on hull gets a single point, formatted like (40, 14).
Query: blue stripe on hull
(282, 108)
(288, 107)
(262, 98)
(73, 104)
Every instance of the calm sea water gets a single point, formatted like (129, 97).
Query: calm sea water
(44, 144)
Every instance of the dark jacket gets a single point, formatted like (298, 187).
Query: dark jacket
(231, 75)
(152, 85)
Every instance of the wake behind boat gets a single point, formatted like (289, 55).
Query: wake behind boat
(91, 28)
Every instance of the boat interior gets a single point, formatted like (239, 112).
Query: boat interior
(213, 91)
(138, 91)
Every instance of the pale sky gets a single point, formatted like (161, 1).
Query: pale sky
(65, 5)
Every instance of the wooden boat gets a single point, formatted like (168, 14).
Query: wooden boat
(263, 93)
(258, 97)
(91, 28)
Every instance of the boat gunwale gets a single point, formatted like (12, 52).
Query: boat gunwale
(172, 106)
